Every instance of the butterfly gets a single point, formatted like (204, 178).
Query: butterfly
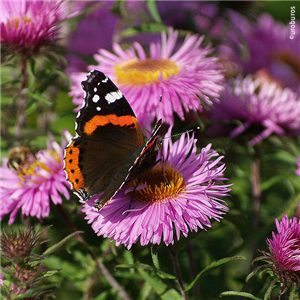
(109, 148)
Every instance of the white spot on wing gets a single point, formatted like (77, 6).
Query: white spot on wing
(119, 94)
(98, 108)
(113, 96)
(105, 80)
(95, 90)
(96, 98)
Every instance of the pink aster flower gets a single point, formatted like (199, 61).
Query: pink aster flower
(180, 72)
(259, 105)
(271, 46)
(28, 25)
(284, 256)
(76, 89)
(160, 209)
(37, 180)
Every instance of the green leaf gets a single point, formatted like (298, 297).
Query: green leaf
(154, 256)
(59, 244)
(151, 4)
(158, 286)
(149, 268)
(129, 257)
(31, 293)
(48, 81)
(213, 265)
(267, 184)
(145, 291)
(149, 27)
(293, 294)
(270, 289)
(171, 294)
(239, 294)
(39, 97)
(4, 291)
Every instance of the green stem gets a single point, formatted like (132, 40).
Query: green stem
(23, 99)
(176, 266)
(99, 263)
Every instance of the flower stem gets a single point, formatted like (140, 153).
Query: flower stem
(23, 98)
(99, 263)
(179, 280)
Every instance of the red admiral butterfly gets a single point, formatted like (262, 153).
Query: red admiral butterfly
(109, 149)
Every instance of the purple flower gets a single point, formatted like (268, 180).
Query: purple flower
(256, 104)
(270, 45)
(38, 180)
(298, 165)
(208, 17)
(180, 74)
(88, 44)
(80, 44)
(28, 25)
(285, 250)
(186, 199)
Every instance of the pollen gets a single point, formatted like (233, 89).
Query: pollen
(30, 168)
(162, 184)
(16, 21)
(138, 72)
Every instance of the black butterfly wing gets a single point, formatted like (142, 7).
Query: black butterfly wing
(108, 140)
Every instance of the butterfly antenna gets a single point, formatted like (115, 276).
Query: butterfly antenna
(160, 99)
(181, 133)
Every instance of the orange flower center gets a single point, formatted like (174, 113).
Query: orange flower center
(17, 21)
(138, 72)
(161, 185)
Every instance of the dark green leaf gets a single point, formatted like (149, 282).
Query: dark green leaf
(171, 294)
(270, 289)
(240, 294)
(213, 265)
(39, 97)
(31, 293)
(149, 27)
(151, 4)
(147, 267)
(158, 286)
(154, 256)
(59, 244)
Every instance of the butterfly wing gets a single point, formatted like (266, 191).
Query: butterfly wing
(108, 140)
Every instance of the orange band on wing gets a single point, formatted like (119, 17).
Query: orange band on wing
(71, 167)
(92, 125)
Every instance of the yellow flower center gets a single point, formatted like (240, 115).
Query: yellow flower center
(29, 169)
(138, 72)
(291, 60)
(160, 185)
(17, 21)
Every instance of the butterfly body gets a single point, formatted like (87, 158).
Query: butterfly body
(109, 149)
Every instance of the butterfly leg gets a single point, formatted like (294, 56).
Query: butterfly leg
(162, 160)
(134, 192)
